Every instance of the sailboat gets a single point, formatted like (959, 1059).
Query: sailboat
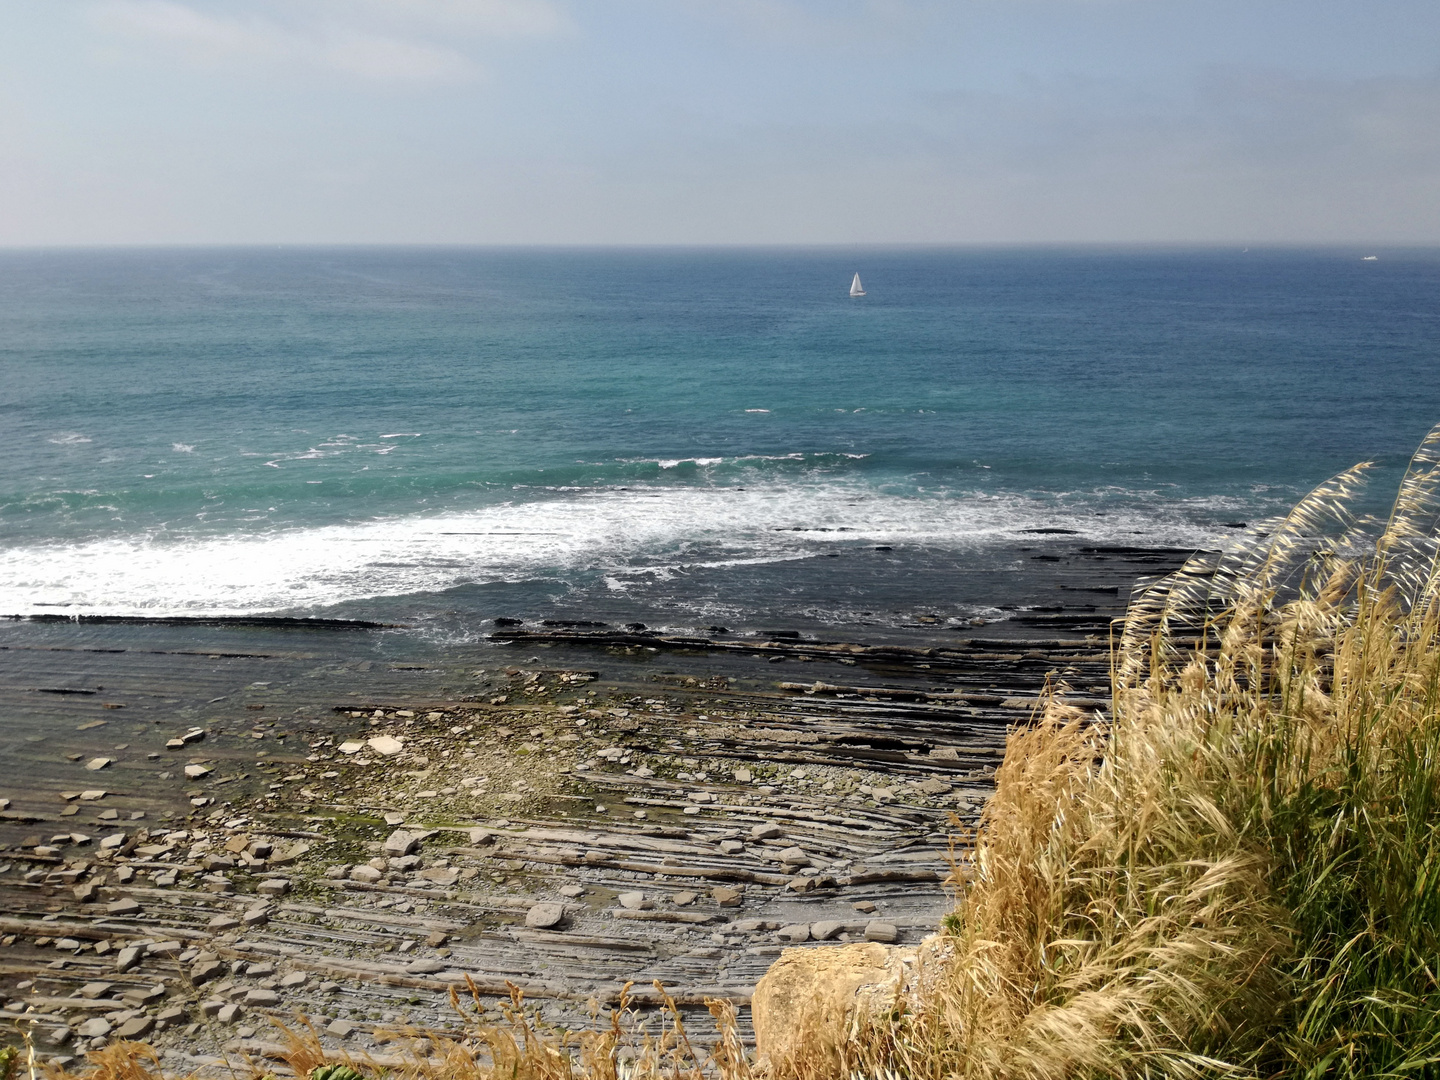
(856, 289)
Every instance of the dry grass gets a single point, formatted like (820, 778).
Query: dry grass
(1237, 874)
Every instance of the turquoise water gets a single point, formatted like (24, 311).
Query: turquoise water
(677, 436)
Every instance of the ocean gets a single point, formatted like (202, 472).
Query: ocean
(681, 438)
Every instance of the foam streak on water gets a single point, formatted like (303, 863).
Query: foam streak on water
(625, 534)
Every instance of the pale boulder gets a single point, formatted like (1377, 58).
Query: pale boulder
(806, 1003)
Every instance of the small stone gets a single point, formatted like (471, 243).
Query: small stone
(766, 831)
(261, 997)
(726, 896)
(256, 916)
(96, 764)
(341, 1029)
(394, 818)
(222, 922)
(367, 874)
(544, 916)
(58, 1036)
(97, 1027)
(212, 1006)
(883, 932)
(386, 745)
(794, 856)
(401, 842)
(67, 944)
(127, 958)
(570, 892)
(634, 901)
(92, 795)
(273, 887)
(92, 990)
(86, 892)
(260, 971)
(731, 847)
(124, 906)
(826, 929)
(134, 1028)
(351, 747)
(205, 970)
(142, 995)
(683, 899)
(795, 933)
(442, 876)
(293, 979)
(743, 776)
(424, 967)
(164, 948)
(113, 841)
(194, 772)
(864, 906)
(229, 1013)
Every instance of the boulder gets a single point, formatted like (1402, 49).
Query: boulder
(803, 1004)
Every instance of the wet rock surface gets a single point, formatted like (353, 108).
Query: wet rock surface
(632, 807)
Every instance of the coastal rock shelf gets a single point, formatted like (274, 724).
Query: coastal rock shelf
(568, 825)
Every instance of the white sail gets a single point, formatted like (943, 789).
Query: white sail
(856, 289)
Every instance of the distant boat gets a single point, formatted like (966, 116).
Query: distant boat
(1370, 258)
(856, 289)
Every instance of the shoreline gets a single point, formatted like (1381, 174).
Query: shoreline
(757, 793)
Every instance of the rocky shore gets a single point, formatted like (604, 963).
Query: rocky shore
(567, 822)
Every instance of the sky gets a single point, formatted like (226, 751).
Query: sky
(719, 121)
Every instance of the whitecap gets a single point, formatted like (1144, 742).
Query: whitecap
(621, 534)
(69, 438)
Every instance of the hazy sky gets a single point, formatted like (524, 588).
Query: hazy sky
(718, 121)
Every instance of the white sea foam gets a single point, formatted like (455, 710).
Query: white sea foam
(618, 534)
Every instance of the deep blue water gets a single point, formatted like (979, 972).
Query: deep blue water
(678, 434)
